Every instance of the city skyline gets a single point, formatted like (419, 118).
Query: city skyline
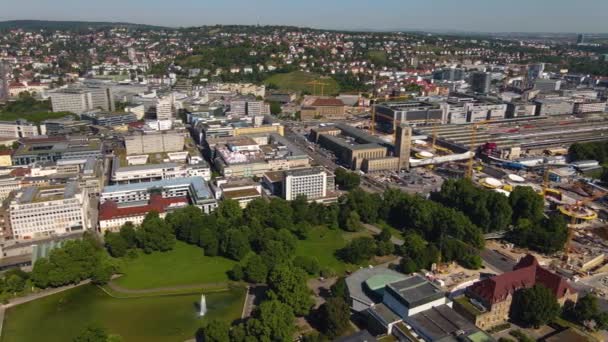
(556, 16)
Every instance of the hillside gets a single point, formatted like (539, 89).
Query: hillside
(66, 25)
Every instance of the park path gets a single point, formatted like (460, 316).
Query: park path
(375, 230)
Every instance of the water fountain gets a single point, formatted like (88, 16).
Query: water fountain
(203, 306)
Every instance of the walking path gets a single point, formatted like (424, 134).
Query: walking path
(376, 231)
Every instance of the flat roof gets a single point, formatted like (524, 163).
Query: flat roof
(416, 290)
(200, 186)
(443, 323)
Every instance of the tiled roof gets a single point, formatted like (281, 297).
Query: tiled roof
(110, 209)
(328, 103)
(525, 274)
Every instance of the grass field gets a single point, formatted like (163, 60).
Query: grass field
(184, 265)
(62, 316)
(35, 117)
(296, 81)
(322, 243)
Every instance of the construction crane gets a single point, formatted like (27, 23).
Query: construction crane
(314, 84)
(573, 217)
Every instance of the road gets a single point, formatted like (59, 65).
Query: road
(497, 261)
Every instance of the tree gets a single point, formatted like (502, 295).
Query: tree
(92, 334)
(526, 204)
(358, 250)
(127, 231)
(535, 306)
(586, 309)
(215, 330)
(288, 285)
(335, 316)
(353, 222)
(272, 321)
(275, 108)
(235, 244)
(308, 264)
(116, 244)
(255, 269)
(155, 234)
(347, 180)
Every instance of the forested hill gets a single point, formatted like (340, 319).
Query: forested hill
(66, 25)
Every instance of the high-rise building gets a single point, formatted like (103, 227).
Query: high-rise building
(164, 108)
(580, 39)
(403, 146)
(4, 71)
(80, 100)
(480, 82)
(535, 71)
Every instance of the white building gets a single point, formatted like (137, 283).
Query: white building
(80, 100)
(45, 211)
(18, 129)
(153, 172)
(164, 108)
(309, 182)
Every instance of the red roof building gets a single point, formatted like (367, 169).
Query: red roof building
(112, 216)
(525, 274)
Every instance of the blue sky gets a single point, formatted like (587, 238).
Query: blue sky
(464, 15)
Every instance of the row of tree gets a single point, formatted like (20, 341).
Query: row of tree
(73, 262)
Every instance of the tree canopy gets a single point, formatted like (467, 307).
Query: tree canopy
(535, 306)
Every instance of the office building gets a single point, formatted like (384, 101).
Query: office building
(154, 172)
(56, 148)
(547, 85)
(165, 108)
(154, 142)
(46, 211)
(535, 71)
(480, 82)
(403, 146)
(195, 189)
(449, 74)
(18, 129)
(412, 112)
(315, 183)
(554, 106)
(242, 190)
(109, 119)
(589, 106)
(80, 100)
(580, 39)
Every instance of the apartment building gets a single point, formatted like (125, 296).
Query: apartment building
(46, 211)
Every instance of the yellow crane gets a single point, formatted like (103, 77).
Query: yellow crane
(473, 145)
(573, 217)
(314, 84)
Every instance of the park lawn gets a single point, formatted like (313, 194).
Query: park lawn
(33, 117)
(60, 317)
(322, 244)
(184, 265)
(296, 81)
